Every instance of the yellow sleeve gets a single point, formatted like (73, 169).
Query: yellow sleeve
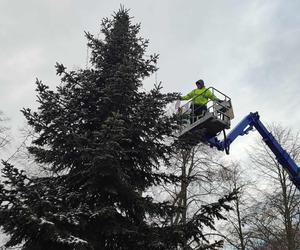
(188, 96)
(211, 96)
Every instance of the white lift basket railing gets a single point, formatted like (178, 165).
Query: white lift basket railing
(214, 120)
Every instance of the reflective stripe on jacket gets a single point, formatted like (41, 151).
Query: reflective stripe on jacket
(200, 96)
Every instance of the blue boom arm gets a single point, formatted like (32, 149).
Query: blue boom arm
(247, 124)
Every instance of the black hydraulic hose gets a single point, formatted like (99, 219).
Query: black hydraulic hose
(226, 145)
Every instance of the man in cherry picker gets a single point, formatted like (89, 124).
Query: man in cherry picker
(200, 97)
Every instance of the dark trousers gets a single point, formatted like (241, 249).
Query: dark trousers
(197, 111)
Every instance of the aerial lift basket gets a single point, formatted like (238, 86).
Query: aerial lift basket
(216, 119)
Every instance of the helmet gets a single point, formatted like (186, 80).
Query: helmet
(200, 82)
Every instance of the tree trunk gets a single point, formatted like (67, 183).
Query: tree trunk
(240, 230)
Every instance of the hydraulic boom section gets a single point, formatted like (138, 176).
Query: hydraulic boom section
(247, 124)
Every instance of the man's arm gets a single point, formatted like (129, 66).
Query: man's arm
(188, 96)
(211, 96)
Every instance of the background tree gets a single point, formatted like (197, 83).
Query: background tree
(198, 169)
(4, 136)
(236, 230)
(4, 140)
(103, 141)
(277, 215)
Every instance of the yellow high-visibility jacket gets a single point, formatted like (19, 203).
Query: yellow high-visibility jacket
(200, 96)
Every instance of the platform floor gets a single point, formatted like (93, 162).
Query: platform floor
(206, 127)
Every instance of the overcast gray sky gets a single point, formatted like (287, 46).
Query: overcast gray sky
(247, 49)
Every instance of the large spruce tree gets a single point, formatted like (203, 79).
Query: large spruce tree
(103, 141)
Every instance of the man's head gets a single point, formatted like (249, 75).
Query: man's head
(200, 84)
